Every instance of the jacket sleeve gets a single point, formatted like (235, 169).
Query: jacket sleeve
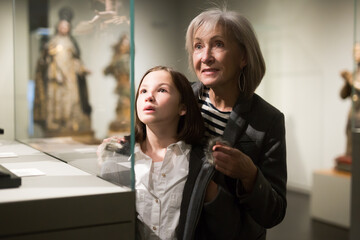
(266, 204)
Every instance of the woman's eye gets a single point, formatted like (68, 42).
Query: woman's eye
(197, 46)
(219, 44)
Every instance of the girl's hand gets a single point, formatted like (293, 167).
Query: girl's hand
(100, 151)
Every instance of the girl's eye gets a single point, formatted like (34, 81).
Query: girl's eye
(142, 91)
(162, 90)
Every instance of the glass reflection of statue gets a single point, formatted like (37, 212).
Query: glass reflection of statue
(106, 17)
(61, 98)
(351, 89)
(119, 68)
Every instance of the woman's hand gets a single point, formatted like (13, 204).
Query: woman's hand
(234, 163)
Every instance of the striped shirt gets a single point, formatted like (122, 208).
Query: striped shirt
(214, 119)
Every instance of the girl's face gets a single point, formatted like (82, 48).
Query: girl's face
(217, 58)
(158, 100)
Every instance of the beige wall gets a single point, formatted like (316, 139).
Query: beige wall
(7, 70)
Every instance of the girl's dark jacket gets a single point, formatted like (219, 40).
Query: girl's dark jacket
(257, 129)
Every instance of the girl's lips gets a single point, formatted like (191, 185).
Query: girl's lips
(149, 108)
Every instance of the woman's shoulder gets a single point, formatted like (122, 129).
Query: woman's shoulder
(262, 114)
(261, 106)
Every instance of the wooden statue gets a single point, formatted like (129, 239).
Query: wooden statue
(119, 67)
(351, 89)
(61, 97)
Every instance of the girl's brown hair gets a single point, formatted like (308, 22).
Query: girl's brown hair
(191, 125)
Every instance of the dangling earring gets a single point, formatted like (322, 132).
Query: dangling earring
(242, 81)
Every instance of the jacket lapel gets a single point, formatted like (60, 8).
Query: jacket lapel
(237, 123)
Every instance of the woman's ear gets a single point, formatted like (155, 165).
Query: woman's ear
(243, 62)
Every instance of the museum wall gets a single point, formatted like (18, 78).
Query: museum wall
(306, 47)
(7, 120)
(305, 44)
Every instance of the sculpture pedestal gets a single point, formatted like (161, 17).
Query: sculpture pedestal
(330, 197)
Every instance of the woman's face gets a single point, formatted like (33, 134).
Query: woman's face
(159, 100)
(217, 58)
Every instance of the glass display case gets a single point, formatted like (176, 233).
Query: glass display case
(73, 87)
(73, 81)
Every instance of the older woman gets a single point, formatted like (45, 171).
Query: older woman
(251, 166)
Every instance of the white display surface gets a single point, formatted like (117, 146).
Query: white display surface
(61, 201)
(60, 179)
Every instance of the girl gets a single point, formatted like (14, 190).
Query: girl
(168, 122)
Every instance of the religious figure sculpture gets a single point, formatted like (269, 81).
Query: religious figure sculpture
(351, 89)
(119, 68)
(61, 104)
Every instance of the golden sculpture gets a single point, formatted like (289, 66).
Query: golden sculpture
(61, 99)
(351, 89)
(119, 67)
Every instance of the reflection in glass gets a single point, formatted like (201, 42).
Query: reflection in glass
(119, 69)
(67, 55)
(115, 162)
(61, 104)
(74, 50)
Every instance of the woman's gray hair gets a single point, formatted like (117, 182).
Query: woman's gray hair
(238, 27)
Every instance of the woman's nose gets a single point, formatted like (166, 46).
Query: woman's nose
(207, 56)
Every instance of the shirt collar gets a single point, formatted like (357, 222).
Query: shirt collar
(179, 148)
